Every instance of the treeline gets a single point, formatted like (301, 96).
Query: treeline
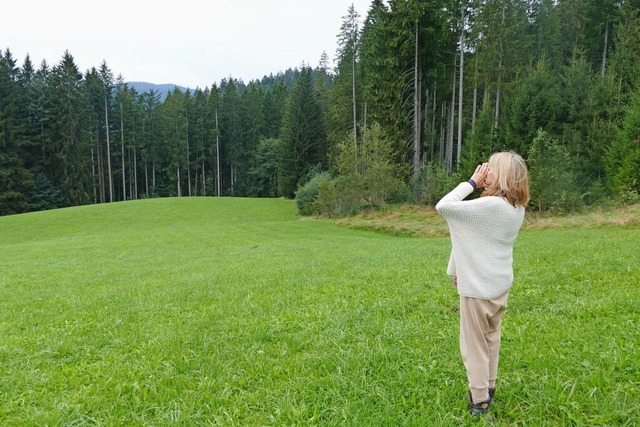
(419, 93)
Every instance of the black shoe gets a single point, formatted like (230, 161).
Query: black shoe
(480, 408)
(492, 391)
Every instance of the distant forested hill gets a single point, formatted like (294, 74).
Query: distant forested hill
(163, 89)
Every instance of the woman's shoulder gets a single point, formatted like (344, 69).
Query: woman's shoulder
(500, 204)
(499, 200)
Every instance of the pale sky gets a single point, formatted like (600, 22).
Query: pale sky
(191, 43)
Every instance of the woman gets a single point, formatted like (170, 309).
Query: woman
(482, 234)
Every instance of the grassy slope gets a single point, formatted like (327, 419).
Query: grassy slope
(207, 311)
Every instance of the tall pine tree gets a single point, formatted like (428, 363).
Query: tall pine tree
(304, 143)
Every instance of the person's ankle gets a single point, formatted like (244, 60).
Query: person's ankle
(478, 397)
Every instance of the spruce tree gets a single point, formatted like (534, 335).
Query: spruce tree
(623, 157)
(44, 195)
(71, 136)
(275, 102)
(151, 149)
(15, 178)
(304, 144)
(344, 96)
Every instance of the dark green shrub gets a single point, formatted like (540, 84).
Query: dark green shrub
(307, 194)
(623, 156)
(367, 177)
(432, 183)
(340, 197)
(551, 178)
(596, 194)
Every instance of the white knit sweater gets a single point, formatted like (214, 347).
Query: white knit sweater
(482, 234)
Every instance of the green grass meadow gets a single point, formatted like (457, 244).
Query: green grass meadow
(235, 312)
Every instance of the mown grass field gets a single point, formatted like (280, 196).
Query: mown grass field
(234, 312)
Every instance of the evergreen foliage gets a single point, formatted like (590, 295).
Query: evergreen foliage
(552, 182)
(44, 195)
(303, 137)
(307, 195)
(15, 178)
(623, 157)
(264, 170)
(433, 182)
(533, 104)
(344, 97)
(569, 68)
(366, 177)
(70, 137)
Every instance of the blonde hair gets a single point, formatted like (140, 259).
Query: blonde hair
(511, 178)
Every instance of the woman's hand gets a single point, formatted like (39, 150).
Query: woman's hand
(480, 175)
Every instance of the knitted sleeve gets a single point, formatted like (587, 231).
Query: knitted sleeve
(482, 233)
(447, 203)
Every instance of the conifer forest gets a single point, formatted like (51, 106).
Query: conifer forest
(417, 94)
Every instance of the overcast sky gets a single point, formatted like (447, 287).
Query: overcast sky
(191, 43)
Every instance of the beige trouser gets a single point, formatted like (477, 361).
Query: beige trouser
(480, 322)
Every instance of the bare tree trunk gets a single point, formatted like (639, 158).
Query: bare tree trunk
(475, 96)
(604, 51)
(195, 183)
(416, 107)
(186, 115)
(101, 192)
(135, 173)
(146, 177)
(130, 174)
(441, 152)
(497, 113)
(433, 124)
(499, 85)
(106, 121)
(365, 114)
(93, 175)
(363, 148)
(233, 180)
(461, 82)
(449, 149)
(353, 91)
(124, 180)
(204, 178)
(451, 120)
(425, 126)
(217, 156)
(178, 179)
(486, 100)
